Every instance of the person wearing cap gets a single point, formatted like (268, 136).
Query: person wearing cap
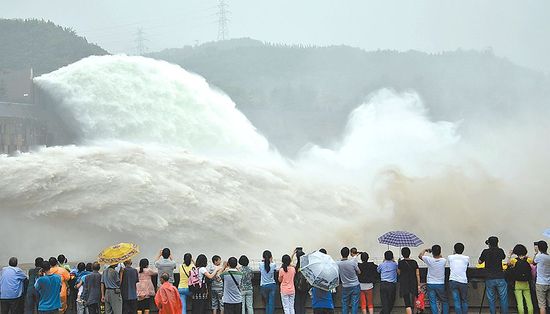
(542, 260)
(495, 283)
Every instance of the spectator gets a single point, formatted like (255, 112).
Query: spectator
(12, 280)
(286, 278)
(91, 292)
(409, 279)
(321, 301)
(145, 288)
(458, 281)
(48, 287)
(436, 279)
(216, 285)
(200, 298)
(492, 257)
(351, 289)
(355, 254)
(168, 299)
(183, 286)
(80, 274)
(165, 264)
(267, 281)
(520, 273)
(232, 278)
(367, 278)
(62, 261)
(128, 288)
(110, 290)
(31, 299)
(542, 260)
(301, 285)
(246, 286)
(65, 276)
(388, 282)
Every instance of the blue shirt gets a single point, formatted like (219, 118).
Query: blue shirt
(11, 282)
(321, 299)
(49, 288)
(388, 271)
(267, 278)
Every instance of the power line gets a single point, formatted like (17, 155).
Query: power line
(141, 49)
(223, 20)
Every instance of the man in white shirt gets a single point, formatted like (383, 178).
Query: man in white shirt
(436, 278)
(458, 281)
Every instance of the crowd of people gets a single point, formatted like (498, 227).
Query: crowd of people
(52, 286)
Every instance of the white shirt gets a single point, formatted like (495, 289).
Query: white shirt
(459, 264)
(436, 269)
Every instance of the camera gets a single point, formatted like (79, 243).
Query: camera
(429, 250)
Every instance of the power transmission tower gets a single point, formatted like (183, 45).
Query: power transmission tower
(223, 20)
(141, 48)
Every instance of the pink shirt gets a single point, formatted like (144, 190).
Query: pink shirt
(287, 280)
(145, 288)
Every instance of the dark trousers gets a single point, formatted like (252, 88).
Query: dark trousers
(93, 308)
(49, 312)
(387, 296)
(199, 306)
(129, 306)
(11, 306)
(300, 302)
(323, 311)
(232, 308)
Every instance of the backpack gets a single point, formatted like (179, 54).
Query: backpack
(522, 270)
(300, 282)
(194, 283)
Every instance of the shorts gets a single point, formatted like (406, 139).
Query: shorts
(217, 303)
(408, 300)
(543, 295)
(144, 304)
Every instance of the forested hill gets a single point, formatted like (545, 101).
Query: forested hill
(41, 45)
(297, 94)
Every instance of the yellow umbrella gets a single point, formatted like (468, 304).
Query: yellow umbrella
(118, 253)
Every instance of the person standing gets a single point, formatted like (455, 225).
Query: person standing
(246, 285)
(495, 282)
(167, 298)
(321, 301)
(145, 288)
(91, 290)
(458, 280)
(267, 281)
(301, 286)
(165, 264)
(183, 286)
(286, 278)
(232, 278)
(349, 269)
(520, 272)
(65, 276)
(388, 282)
(128, 288)
(200, 298)
(48, 288)
(367, 278)
(110, 290)
(436, 278)
(216, 285)
(12, 280)
(409, 279)
(31, 299)
(542, 260)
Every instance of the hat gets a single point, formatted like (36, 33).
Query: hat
(492, 241)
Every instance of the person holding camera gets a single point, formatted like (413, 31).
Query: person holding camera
(48, 288)
(436, 278)
(542, 260)
(495, 282)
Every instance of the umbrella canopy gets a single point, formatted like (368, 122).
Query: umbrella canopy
(320, 270)
(546, 233)
(118, 253)
(400, 239)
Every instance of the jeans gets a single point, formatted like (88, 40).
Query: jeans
(268, 294)
(248, 306)
(436, 292)
(387, 296)
(460, 296)
(350, 294)
(184, 293)
(288, 303)
(501, 288)
(81, 308)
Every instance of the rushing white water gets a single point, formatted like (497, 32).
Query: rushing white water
(165, 160)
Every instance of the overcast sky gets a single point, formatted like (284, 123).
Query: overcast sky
(518, 30)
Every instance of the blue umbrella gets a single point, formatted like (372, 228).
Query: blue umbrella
(546, 233)
(400, 239)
